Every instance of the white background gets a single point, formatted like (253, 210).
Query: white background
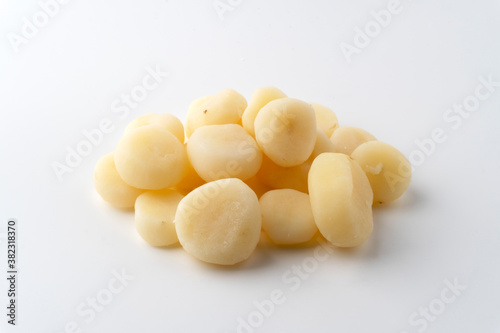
(65, 79)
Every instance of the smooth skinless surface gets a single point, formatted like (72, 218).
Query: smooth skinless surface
(226, 107)
(341, 199)
(170, 122)
(326, 119)
(259, 99)
(347, 138)
(387, 169)
(110, 185)
(285, 130)
(150, 157)
(287, 216)
(219, 222)
(154, 216)
(223, 151)
(279, 177)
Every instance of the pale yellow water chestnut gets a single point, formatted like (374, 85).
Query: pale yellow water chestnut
(150, 157)
(154, 216)
(341, 199)
(219, 222)
(285, 130)
(387, 169)
(223, 151)
(287, 216)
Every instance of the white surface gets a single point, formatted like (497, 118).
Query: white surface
(65, 79)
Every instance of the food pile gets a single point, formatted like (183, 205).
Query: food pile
(234, 169)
